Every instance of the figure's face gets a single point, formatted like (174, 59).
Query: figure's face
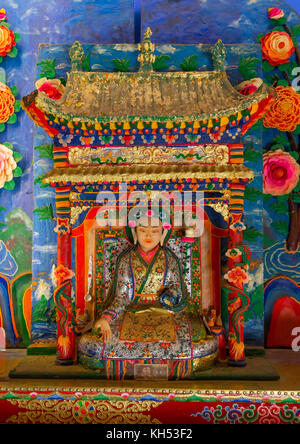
(148, 236)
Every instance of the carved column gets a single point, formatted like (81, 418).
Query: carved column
(64, 274)
(238, 301)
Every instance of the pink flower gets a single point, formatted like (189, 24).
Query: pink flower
(2, 14)
(249, 86)
(132, 223)
(52, 87)
(275, 13)
(280, 173)
(166, 226)
(7, 165)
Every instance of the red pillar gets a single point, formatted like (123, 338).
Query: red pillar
(63, 293)
(238, 301)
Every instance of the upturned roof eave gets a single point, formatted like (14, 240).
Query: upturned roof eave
(54, 107)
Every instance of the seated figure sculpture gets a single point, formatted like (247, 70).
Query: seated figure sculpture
(146, 319)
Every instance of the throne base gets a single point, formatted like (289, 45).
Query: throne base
(59, 361)
(205, 355)
(117, 369)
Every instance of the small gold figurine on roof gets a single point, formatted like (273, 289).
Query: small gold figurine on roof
(146, 48)
(76, 55)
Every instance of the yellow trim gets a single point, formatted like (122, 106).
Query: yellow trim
(140, 172)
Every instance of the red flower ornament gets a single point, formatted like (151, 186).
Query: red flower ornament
(53, 88)
(237, 276)
(249, 86)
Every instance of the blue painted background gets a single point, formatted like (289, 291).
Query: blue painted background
(205, 21)
(124, 21)
(55, 21)
(39, 22)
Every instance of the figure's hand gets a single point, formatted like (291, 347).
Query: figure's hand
(168, 298)
(83, 322)
(103, 325)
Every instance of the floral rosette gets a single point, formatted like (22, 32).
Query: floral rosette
(237, 276)
(53, 88)
(284, 113)
(249, 86)
(8, 38)
(8, 166)
(276, 16)
(280, 173)
(277, 47)
(9, 106)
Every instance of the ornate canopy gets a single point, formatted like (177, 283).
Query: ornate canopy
(110, 102)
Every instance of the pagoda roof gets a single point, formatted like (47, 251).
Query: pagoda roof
(148, 96)
(92, 98)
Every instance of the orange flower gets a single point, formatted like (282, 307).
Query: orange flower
(277, 47)
(7, 40)
(7, 102)
(284, 113)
